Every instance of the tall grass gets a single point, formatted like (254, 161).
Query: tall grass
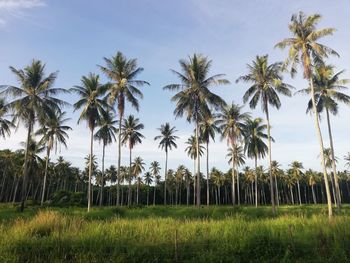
(165, 234)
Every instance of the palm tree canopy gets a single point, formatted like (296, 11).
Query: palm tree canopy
(91, 102)
(194, 97)
(208, 127)
(148, 178)
(236, 154)
(191, 148)
(131, 131)
(5, 125)
(155, 168)
(296, 169)
(267, 83)
(123, 73)
(107, 130)
(167, 137)
(304, 47)
(137, 166)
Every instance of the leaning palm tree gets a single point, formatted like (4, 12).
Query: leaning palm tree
(236, 156)
(53, 132)
(254, 145)
(138, 166)
(94, 107)
(5, 124)
(328, 87)
(305, 49)
(148, 181)
(267, 83)
(34, 99)
(194, 97)
(124, 87)
(207, 129)
(296, 169)
(155, 170)
(231, 122)
(167, 142)
(130, 136)
(106, 135)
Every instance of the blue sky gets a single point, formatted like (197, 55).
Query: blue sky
(73, 37)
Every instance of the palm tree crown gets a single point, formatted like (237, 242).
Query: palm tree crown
(131, 131)
(167, 137)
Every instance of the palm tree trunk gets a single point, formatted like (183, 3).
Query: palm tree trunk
(198, 165)
(103, 172)
(90, 167)
(256, 182)
(137, 190)
(194, 181)
(233, 179)
(154, 194)
(208, 200)
(130, 175)
(337, 189)
(147, 194)
(26, 167)
(45, 175)
(119, 157)
(270, 160)
(277, 194)
(313, 194)
(299, 195)
(320, 141)
(165, 174)
(238, 190)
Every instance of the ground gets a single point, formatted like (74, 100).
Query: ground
(174, 234)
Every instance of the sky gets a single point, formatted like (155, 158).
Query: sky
(72, 37)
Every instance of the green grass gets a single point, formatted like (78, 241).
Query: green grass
(174, 234)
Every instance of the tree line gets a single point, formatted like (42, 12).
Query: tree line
(36, 102)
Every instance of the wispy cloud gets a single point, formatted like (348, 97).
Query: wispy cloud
(17, 9)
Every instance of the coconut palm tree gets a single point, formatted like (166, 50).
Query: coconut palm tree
(218, 180)
(167, 142)
(194, 97)
(34, 99)
(138, 166)
(130, 136)
(267, 83)
(207, 129)
(148, 181)
(328, 87)
(236, 156)
(296, 169)
(124, 87)
(254, 145)
(276, 171)
(54, 133)
(231, 122)
(105, 134)
(305, 49)
(94, 107)
(155, 170)
(311, 178)
(5, 125)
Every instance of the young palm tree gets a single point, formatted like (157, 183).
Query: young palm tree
(328, 87)
(194, 97)
(105, 134)
(130, 136)
(138, 166)
(167, 142)
(254, 145)
(207, 129)
(236, 156)
(124, 86)
(53, 132)
(34, 99)
(267, 83)
(231, 122)
(305, 49)
(296, 169)
(155, 170)
(93, 109)
(148, 181)
(5, 125)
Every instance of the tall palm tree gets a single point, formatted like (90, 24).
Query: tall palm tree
(5, 124)
(236, 156)
(138, 166)
(148, 181)
(194, 97)
(167, 142)
(267, 83)
(305, 49)
(254, 145)
(207, 129)
(231, 122)
(328, 87)
(34, 99)
(105, 134)
(53, 132)
(94, 107)
(155, 170)
(124, 87)
(191, 151)
(296, 169)
(130, 136)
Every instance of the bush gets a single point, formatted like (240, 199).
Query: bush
(67, 198)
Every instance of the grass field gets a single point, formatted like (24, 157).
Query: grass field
(174, 234)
